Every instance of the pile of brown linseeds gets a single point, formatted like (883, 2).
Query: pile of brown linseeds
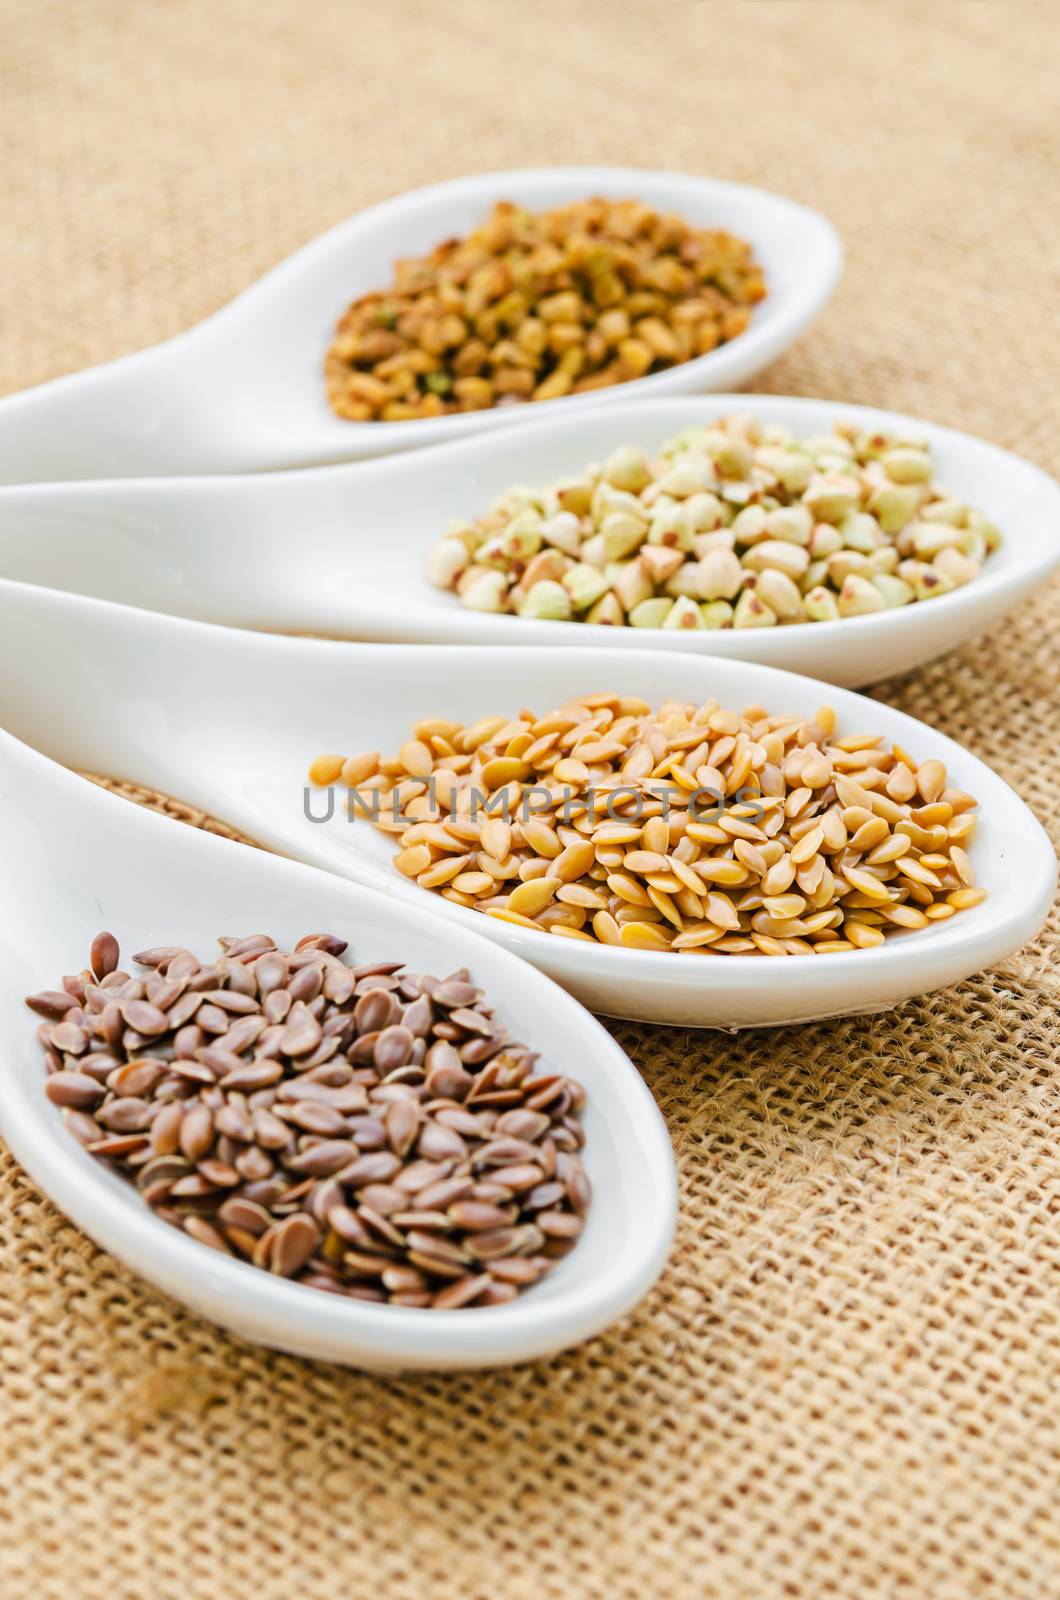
(363, 1130)
(533, 306)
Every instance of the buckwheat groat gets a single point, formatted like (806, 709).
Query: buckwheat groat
(534, 306)
(738, 525)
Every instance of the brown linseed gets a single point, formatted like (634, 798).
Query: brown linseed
(360, 1130)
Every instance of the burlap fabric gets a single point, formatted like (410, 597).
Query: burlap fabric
(845, 1384)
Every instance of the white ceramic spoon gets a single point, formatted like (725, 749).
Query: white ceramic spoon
(340, 551)
(74, 859)
(231, 721)
(245, 390)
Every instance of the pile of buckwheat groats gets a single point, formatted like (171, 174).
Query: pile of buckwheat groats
(533, 306)
(736, 525)
(363, 1130)
(687, 828)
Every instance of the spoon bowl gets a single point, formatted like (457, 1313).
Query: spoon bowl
(340, 551)
(244, 391)
(231, 720)
(74, 858)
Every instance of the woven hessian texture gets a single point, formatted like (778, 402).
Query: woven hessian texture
(845, 1385)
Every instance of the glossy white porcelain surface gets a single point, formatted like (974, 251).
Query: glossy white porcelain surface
(244, 391)
(230, 720)
(74, 859)
(340, 551)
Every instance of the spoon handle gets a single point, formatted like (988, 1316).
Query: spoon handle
(138, 416)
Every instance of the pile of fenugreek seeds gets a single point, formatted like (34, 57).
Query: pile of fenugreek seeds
(686, 828)
(736, 525)
(532, 306)
(363, 1130)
